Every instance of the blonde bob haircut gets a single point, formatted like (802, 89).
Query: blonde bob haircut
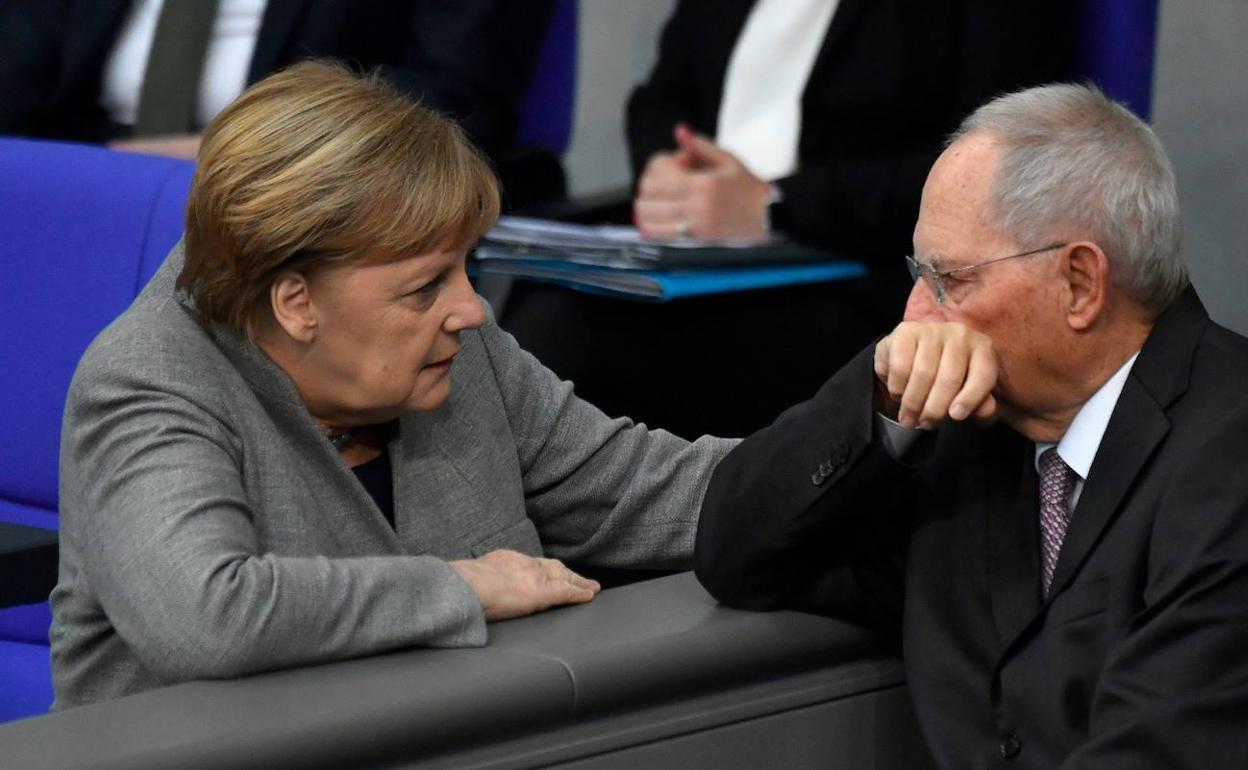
(316, 164)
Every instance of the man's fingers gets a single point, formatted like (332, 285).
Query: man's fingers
(987, 409)
(901, 351)
(981, 378)
(923, 368)
(880, 359)
(948, 382)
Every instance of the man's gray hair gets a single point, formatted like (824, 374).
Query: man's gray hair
(1077, 165)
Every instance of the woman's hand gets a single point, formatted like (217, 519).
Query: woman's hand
(511, 584)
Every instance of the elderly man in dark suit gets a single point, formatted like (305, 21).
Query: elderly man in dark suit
(1029, 483)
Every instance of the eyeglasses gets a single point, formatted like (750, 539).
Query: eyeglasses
(936, 279)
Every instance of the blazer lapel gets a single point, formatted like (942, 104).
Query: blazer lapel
(1012, 512)
(354, 507)
(278, 24)
(424, 472)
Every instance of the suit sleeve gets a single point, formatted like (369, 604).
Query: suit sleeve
(32, 37)
(670, 93)
(154, 504)
(601, 491)
(810, 513)
(473, 59)
(1174, 690)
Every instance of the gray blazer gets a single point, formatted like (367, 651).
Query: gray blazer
(209, 530)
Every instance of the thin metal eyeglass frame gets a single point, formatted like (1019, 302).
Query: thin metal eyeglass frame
(936, 280)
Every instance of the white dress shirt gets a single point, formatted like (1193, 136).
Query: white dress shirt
(224, 76)
(1082, 439)
(760, 115)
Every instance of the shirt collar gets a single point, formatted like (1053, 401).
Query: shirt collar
(1078, 446)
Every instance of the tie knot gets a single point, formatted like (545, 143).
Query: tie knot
(1054, 470)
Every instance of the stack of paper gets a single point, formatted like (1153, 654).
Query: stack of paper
(617, 260)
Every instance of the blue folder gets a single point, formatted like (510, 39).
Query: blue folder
(661, 285)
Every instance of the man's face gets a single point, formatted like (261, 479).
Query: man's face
(1014, 302)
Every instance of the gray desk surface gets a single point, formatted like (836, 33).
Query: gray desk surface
(651, 645)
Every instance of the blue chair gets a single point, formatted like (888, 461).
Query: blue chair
(81, 231)
(531, 170)
(1117, 48)
(547, 112)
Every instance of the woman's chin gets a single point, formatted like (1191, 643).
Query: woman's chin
(430, 398)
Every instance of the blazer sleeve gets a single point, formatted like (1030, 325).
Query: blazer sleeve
(1174, 689)
(810, 513)
(601, 491)
(154, 505)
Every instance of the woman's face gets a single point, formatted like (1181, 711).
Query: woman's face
(385, 336)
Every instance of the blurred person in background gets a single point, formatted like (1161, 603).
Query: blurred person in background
(149, 75)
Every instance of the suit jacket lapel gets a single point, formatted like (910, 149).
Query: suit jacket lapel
(1011, 512)
(1136, 428)
(842, 22)
(1139, 423)
(278, 24)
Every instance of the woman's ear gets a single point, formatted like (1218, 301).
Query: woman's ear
(1085, 269)
(291, 303)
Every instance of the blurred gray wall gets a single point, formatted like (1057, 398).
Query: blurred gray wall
(1200, 109)
(618, 43)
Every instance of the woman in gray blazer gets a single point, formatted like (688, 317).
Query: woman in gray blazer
(307, 439)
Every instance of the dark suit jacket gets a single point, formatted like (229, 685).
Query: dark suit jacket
(890, 81)
(469, 58)
(1139, 656)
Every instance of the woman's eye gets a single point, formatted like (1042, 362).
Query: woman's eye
(428, 289)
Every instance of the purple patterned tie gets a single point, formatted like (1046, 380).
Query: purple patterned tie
(1057, 481)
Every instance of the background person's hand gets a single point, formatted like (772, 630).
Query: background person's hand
(702, 190)
(511, 584)
(933, 371)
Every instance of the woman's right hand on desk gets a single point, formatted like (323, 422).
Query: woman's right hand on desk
(511, 584)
